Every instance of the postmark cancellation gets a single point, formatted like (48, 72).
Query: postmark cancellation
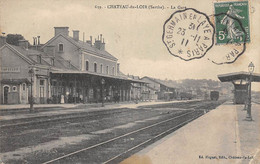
(188, 34)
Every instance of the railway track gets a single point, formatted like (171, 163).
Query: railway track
(4, 124)
(137, 139)
(97, 129)
(60, 118)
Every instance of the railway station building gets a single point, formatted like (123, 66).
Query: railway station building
(63, 70)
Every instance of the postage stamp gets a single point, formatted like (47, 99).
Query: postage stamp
(232, 22)
(188, 34)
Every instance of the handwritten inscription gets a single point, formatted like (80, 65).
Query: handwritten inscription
(188, 34)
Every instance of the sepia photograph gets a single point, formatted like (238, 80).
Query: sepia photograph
(129, 82)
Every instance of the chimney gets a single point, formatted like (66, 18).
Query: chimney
(99, 44)
(61, 30)
(38, 40)
(24, 44)
(76, 35)
(34, 41)
(50, 50)
(90, 41)
(2, 40)
(118, 68)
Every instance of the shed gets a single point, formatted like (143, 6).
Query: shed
(240, 81)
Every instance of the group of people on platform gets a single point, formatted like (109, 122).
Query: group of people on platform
(61, 99)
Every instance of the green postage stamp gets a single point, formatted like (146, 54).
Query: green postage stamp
(232, 22)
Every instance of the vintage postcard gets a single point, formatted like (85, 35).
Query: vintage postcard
(130, 81)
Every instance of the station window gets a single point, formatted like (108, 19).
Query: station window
(52, 62)
(107, 70)
(86, 65)
(41, 82)
(39, 59)
(14, 88)
(61, 47)
(95, 67)
(101, 68)
(113, 70)
(24, 86)
(54, 83)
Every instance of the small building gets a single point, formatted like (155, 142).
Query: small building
(240, 81)
(159, 89)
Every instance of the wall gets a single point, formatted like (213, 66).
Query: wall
(151, 84)
(10, 59)
(99, 60)
(70, 51)
(78, 58)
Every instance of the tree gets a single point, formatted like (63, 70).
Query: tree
(14, 39)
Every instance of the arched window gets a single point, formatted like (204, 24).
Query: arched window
(86, 65)
(95, 67)
(107, 70)
(5, 94)
(24, 87)
(101, 68)
(113, 71)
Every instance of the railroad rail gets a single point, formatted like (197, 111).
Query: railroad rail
(57, 118)
(4, 124)
(166, 126)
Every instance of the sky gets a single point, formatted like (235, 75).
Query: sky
(134, 36)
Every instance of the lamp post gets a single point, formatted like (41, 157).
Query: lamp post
(251, 70)
(246, 100)
(102, 91)
(31, 72)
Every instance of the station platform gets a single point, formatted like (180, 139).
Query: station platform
(72, 108)
(220, 136)
(130, 104)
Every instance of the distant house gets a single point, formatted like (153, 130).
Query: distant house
(160, 89)
(135, 88)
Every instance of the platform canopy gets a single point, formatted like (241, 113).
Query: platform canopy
(72, 72)
(239, 76)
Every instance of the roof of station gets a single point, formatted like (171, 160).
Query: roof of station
(30, 55)
(15, 81)
(84, 46)
(162, 82)
(239, 76)
(71, 72)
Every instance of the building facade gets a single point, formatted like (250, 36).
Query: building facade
(21, 67)
(159, 89)
(63, 70)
